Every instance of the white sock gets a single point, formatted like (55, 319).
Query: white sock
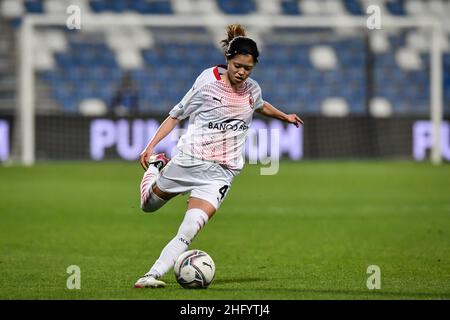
(194, 220)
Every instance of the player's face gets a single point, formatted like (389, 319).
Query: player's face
(239, 68)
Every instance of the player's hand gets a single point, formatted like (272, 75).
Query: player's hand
(144, 156)
(294, 119)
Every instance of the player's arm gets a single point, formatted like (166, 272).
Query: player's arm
(270, 111)
(164, 129)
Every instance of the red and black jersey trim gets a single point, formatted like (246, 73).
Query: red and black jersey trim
(216, 70)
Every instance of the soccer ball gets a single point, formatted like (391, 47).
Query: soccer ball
(194, 269)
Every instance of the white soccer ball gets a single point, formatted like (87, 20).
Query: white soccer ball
(194, 269)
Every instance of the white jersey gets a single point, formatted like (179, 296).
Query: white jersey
(219, 118)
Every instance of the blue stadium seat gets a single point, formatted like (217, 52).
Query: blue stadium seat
(64, 60)
(139, 6)
(98, 6)
(397, 41)
(33, 6)
(354, 7)
(85, 90)
(290, 7)
(162, 7)
(65, 96)
(237, 6)
(396, 7)
(151, 57)
(153, 7)
(51, 76)
(118, 6)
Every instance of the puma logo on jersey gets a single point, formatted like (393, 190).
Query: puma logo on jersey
(220, 100)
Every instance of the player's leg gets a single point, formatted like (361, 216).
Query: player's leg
(153, 198)
(202, 205)
(197, 215)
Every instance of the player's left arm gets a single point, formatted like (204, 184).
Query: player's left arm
(270, 111)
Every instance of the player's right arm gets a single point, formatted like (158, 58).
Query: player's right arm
(164, 129)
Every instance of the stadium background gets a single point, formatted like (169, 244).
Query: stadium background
(100, 92)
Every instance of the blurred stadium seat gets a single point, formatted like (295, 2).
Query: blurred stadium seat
(358, 72)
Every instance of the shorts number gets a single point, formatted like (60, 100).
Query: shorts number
(223, 191)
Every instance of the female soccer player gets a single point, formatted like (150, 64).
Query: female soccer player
(220, 107)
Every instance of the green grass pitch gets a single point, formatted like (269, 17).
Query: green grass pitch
(308, 232)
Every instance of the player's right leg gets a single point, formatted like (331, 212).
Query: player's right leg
(198, 213)
(152, 198)
(203, 203)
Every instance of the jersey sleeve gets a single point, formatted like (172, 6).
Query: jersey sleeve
(259, 102)
(188, 105)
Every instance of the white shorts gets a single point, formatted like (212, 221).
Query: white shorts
(204, 180)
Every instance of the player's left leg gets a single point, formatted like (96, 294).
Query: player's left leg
(153, 198)
(197, 215)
